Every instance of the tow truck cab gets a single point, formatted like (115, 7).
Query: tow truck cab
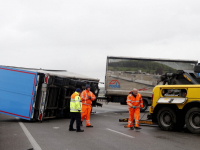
(173, 106)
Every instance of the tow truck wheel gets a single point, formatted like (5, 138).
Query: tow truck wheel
(166, 119)
(192, 120)
(145, 104)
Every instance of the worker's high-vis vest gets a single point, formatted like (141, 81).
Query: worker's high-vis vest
(75, 103)
(132, 101)
(84, 97)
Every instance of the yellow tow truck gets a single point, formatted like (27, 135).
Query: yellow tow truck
(176, 102)
(173, 106)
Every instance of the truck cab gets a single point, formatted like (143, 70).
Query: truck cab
(173, 106)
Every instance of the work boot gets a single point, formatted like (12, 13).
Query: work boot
(81, 123)
(90, 126)
(80, 130)
(138, 128)
(72, 129)
(131, 128)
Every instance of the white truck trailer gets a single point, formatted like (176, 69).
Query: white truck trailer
(125, 73)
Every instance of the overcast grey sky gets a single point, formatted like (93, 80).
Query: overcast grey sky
(78, 35)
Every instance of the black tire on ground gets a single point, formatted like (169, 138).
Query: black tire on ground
(192, 120)
(145, 104)
(166, 118)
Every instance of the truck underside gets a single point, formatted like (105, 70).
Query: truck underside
(53, 98)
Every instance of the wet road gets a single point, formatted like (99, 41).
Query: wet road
(108, 134)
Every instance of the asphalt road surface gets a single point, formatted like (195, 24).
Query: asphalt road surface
(108, 134)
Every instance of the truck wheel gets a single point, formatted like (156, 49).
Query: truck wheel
(166, 119)
(145, 104)
(192, 120)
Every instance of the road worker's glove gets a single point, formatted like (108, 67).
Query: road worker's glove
(133, 107)
(89, 97)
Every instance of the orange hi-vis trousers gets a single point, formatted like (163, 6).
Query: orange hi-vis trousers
(134, 113)
(85, 114)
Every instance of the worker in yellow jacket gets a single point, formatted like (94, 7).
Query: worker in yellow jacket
(75, 111)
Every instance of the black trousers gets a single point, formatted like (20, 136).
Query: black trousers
(75, 116)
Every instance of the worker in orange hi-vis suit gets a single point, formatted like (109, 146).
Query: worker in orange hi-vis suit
(126, 126)
(87, 97)
(135, 102)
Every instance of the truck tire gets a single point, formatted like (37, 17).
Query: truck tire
(145, 104)
(166, 118)
(192, 120)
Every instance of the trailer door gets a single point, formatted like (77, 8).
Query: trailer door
(17, 90)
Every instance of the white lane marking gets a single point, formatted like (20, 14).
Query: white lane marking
(56, 127)
(102, 112)
(120, 133)
(29, 136)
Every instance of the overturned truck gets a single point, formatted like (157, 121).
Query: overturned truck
(37, 94)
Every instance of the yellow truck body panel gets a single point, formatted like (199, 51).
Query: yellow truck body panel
(193, 94)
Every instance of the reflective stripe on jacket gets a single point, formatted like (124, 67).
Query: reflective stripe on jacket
(75, 103)
(84, 97)
(132, 101)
